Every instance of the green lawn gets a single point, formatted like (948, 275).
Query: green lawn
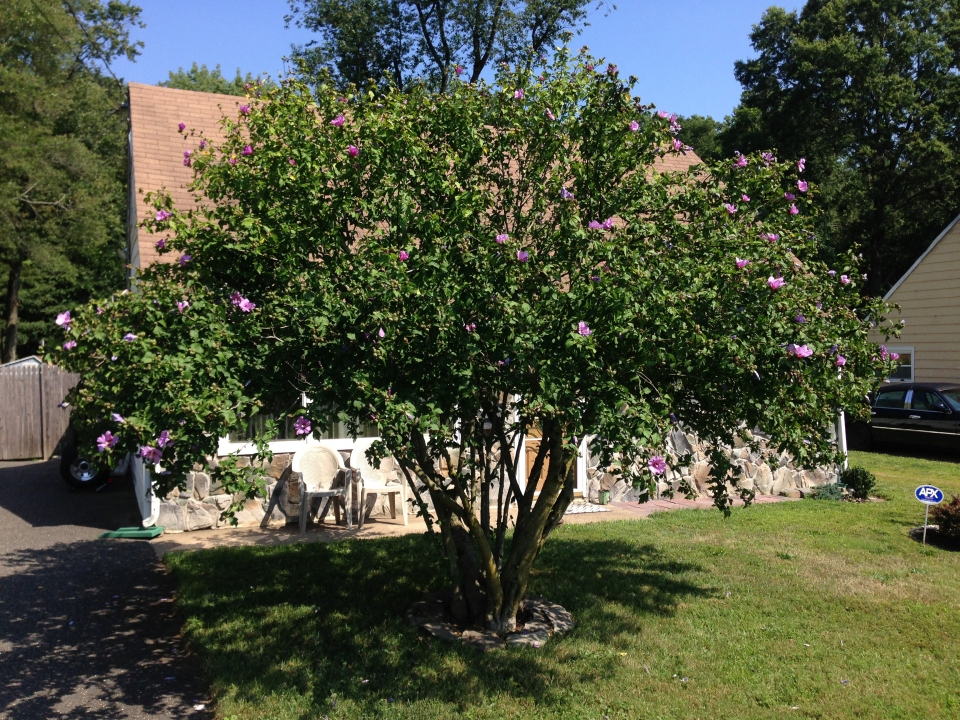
(802, 610)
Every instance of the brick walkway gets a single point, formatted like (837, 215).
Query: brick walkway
(385, 527)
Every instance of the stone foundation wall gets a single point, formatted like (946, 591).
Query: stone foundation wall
(761, 469)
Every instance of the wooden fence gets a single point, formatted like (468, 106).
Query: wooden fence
(32, 423)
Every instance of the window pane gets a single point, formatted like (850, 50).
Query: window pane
(953, 398)
(891, 399)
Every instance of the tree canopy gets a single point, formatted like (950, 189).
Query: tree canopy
(869, 92)
(202, 79)
(399, 41)
(467, 269)
(63, 167)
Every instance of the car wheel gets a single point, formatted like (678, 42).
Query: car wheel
(859, 437)
(81, 472)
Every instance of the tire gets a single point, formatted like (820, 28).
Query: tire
(80, 472)
(859, 437)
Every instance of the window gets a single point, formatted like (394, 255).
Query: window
(891, 399)
(925, 400)
(953, 399)
(904, 371)
(336, 430)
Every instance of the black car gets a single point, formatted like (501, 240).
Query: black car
(916, 414)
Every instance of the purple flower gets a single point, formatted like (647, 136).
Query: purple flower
(883, 352)
(106, 441)
(594, 225)
(775, 283)
(789, 196)
(800, 351)
(634, 126)
(607, 224)
(742, 263)
(302, 426)
(241, 302)
(802, 185)
(247, 150)
(677, 145)
(404, 255)
(845, 279)
(673, 419)
(732, 209)
(184, 259)
(745, 198)
(151, 454)
(164, 440)
(584, 329)
(162, 215)
(518, 94)
(99, 310)
(69, 344)
(611, 69)
(182, 126)
(800, 318)
(793, 210)
(831, 273)
(772, 237)
(63, 320)
(523, 255)
(458, 69)
(381, 333)
(551, 115)
(502, 238)
(353, 150)
(767, 158)
(161, 244)
(129, 337)
(186, 158)
(565, 194)
(801, 164)
(292, 162)
(182, 305)
(117, 418)
(841, 361)
(203, 144)
(470, 327)
(244, 109)
(741, 161)
(232, 160)
(894, 356)
(657, 465)
(338, 120)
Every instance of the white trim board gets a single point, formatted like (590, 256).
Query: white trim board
(920, 259)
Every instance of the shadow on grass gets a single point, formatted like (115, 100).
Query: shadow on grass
(323, 623)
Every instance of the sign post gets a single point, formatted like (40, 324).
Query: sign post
(928, 495)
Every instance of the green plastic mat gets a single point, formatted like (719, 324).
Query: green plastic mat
(134, 533)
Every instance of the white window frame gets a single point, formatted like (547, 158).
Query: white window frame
(902, 350)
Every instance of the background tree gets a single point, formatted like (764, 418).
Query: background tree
(202, 79)
(63, 130)
(434, 40)
(869, 92)
(464, 270)
(702, 133)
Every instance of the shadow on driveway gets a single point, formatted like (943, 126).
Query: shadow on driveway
(87, 626)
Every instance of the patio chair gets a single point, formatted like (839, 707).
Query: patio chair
(322, 474)
(385, 480)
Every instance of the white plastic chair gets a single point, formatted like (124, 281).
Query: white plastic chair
(322, 473)
(385, 480)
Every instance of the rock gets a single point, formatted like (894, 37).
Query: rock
(793, 494)
(746, 484)
(763, 481)
(618, 491)
(221, 502)
(701, 471)
(607, 481)
(749, 469)
(525, 639)
(680, 442)
(593, 490)
(555, 615)
(280, 463)
(442, 630)
(196, 517)
(482, 641)
(201, 485)
(212, 462)
(170, 517)
(173, 494)
(251, 514)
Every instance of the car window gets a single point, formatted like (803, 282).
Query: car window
(891, 398)
(953, 398)
(925, 400)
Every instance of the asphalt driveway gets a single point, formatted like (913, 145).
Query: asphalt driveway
(87, 626)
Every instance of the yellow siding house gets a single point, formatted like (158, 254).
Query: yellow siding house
(929, 298)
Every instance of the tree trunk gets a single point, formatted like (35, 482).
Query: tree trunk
(13, 312)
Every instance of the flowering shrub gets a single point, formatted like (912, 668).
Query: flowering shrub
(947, 517)
(462, 269)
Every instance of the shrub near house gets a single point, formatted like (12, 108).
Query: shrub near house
(501, 260)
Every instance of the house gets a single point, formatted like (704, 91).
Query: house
(929, 298)
(157, 149)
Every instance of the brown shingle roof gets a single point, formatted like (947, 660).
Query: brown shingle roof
(157, 148)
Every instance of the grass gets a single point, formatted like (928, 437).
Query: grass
(801, 610)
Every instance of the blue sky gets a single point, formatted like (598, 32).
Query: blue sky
(681, 50)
